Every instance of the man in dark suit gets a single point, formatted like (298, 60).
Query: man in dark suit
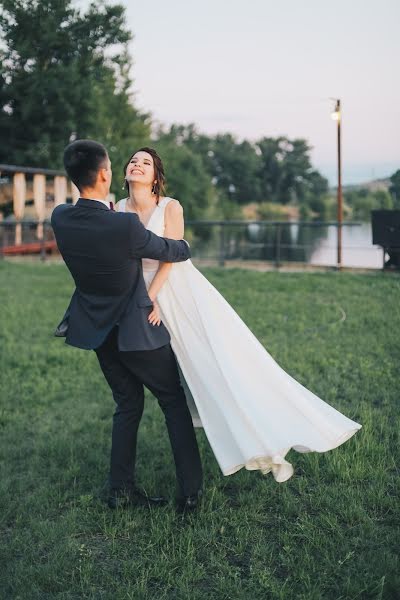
(108, 314)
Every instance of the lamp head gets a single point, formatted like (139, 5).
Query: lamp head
(336, 114)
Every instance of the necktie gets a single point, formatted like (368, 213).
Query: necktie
(111, 205)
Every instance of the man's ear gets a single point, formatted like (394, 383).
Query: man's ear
(102, 175)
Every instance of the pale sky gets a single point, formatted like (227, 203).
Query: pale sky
(267, 68)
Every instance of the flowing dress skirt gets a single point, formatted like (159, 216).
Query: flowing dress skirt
(252, 411)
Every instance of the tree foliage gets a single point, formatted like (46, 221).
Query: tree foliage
(64, 74)
(394, 188)
(361, 201)
(187, 180)
(241, 172)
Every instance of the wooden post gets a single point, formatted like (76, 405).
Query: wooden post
(39, 198)
(60, 190)
(74, 193)
(19, 196)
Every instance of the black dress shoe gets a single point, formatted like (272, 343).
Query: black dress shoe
(188, 504)
(122, 498)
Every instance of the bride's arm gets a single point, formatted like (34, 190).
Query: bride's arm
(174, 230)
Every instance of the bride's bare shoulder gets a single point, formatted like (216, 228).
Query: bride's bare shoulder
(174, 206)
(120, 205)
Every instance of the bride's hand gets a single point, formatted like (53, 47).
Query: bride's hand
(154, 317)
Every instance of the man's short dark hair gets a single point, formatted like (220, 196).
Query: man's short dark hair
(83, 159)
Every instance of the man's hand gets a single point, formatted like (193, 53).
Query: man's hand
(154, 317)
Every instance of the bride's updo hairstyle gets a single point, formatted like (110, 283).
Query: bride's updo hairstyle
(159, 187)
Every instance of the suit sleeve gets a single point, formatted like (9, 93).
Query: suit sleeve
(146, 244)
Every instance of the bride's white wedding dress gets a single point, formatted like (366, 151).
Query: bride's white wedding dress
(252, 411)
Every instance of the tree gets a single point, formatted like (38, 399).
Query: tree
(231, 167)
(74, 83)
(234, 167)
(187, 179)
(286, 174)
(362, 201)
(394, 188)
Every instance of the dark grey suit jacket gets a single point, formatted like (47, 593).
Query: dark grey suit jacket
(102, 250)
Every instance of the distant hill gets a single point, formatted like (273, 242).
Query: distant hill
(372, 186)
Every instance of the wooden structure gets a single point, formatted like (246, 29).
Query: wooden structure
(44, 247)
(41, 178)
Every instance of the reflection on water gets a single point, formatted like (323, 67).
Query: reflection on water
(358, 250)
(309, 243)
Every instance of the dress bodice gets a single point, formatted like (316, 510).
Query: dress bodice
(156, 224)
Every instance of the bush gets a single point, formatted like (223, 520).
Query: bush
(363, 201)
(270, 211)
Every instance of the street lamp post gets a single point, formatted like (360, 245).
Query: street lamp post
(337, 116)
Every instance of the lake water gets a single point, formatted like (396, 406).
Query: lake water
(358, 250)
(307, 243)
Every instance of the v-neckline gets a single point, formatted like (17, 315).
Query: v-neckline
(135, 213)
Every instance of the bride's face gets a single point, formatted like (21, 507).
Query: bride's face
(141, 169)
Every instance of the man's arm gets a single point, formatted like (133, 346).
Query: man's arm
(146, 244)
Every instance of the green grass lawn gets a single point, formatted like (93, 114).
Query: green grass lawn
(331, 532)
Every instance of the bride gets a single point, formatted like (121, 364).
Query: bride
(252, 411)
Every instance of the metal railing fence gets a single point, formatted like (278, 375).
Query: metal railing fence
(275, 242)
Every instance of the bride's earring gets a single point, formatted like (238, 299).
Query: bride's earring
(124, 185)
(153, 189)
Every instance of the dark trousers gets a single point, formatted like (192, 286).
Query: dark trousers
(126, 373)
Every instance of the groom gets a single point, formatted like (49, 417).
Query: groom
(108, 314)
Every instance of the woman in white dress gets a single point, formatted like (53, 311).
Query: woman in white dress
(252, 411)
